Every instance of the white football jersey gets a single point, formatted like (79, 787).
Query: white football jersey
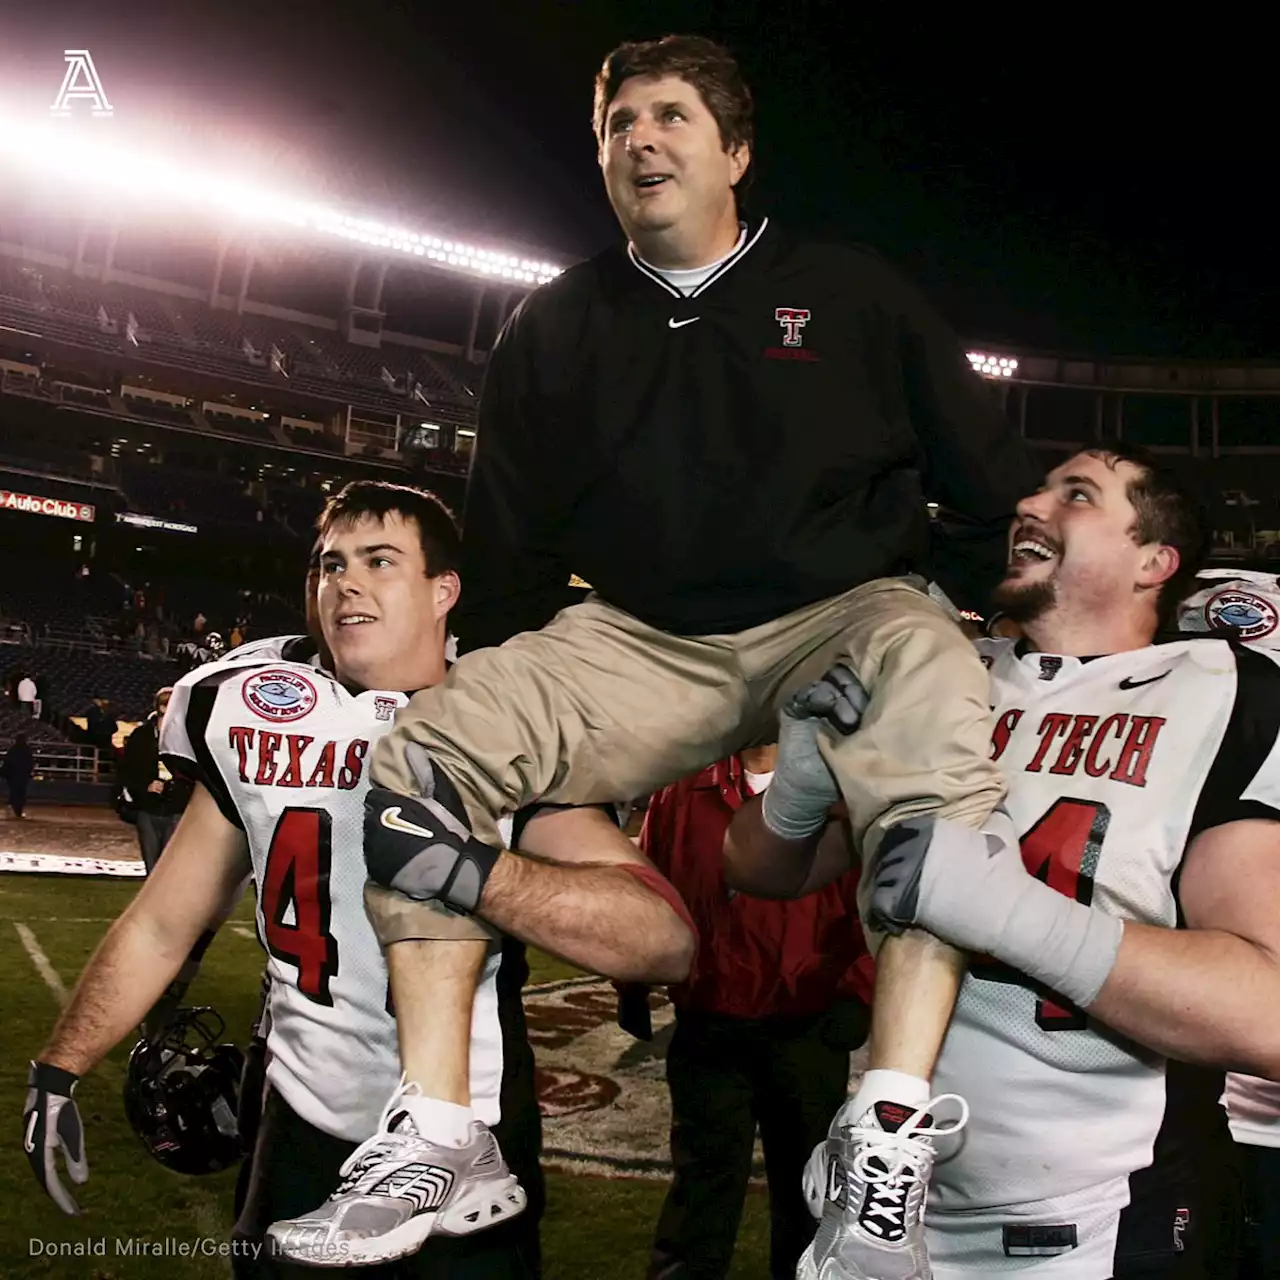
(1235, 604)
(1114, 765)
(284, 749)
(1247, 603)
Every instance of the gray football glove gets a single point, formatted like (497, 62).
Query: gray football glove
(51, 1123)
(804, 788)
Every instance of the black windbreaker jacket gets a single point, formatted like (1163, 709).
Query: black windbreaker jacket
(711, 462)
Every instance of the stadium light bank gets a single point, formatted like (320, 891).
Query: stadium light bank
(74, 158)
(990, 366)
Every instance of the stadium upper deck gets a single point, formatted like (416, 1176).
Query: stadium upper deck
(158, 296)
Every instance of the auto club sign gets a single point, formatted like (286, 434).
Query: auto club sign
(35, 505)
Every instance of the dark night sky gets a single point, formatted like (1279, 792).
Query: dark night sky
(1050, 178)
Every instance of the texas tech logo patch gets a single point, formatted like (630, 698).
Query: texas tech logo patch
(1240, 615)
(792, 320)
(279, 696)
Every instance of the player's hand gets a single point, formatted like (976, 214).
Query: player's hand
(51, 1122)
(971, 888)
(804, 789)
(421, 850)
(156, 788)
(951, 879)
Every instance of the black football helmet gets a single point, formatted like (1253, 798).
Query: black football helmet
(181, 1094)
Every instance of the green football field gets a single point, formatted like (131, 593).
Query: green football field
(595, 1228)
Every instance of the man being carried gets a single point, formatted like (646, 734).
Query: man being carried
(731, 434)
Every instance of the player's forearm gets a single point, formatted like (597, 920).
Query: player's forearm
(596, 916)
(1199, 995)
(763, 864)
(124, 978)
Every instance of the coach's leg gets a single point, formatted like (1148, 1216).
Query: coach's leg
(923, 746)
(595, 707)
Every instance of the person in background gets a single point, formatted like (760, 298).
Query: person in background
(16, 770)
(777, 998)
(159, 797)
(27, 696)
(100, 724)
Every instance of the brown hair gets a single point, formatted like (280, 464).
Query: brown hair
(437, 528)
(708, 66)
(1167, 512)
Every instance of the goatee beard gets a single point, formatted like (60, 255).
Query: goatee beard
(1023, 604)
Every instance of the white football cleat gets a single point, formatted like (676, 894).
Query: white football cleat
(397, 1189)
(867, 1183)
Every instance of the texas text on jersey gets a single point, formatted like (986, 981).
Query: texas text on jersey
(284, 749)
(1114, 765)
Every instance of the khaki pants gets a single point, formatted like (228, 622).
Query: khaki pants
(599, 707)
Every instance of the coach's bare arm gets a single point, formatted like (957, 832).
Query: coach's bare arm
(1209, 993)
(763, 864)
(192, 888)
(567, 893)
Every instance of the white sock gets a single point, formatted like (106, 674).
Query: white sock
(889, 1086)
(444, 1122)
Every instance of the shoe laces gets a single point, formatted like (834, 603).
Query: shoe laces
(383, 1143)
(905, 1151)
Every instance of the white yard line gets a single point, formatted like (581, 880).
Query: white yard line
(72, 919)
(41, 962)
(244, 933)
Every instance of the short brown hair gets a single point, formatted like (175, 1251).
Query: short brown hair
(437, 528)
(708, 66)
(1167, 512)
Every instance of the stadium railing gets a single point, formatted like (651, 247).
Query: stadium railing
(59, 762)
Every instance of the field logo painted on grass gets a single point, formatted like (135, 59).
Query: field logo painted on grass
(602, 1093)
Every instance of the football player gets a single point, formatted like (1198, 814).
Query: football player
(1244, 604)
(1122, 958)
(279, 743)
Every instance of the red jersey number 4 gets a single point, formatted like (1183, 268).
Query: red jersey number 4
(1062, 850)
(295, 900)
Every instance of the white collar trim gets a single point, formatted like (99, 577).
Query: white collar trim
(744, 247)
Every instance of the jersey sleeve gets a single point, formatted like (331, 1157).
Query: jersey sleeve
(1244, 779)
(184, 737)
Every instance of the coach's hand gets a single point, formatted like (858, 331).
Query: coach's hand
(970, 888)
(51, 1121)
(804, 789)
(421, 850)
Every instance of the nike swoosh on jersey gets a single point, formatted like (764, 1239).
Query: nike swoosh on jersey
(1128, 683)
(673, 323)
(392, 820)
(28, 1140)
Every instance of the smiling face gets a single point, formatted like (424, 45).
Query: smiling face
(1073, 548)
(382, 617)
(667, 173)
